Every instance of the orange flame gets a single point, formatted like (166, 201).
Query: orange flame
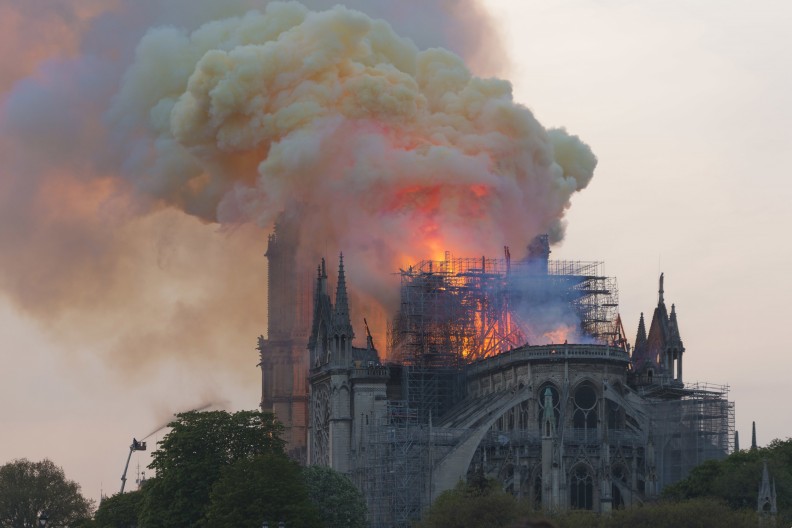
(559, 335)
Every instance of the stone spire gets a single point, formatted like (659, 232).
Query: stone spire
(736, 441)
(341, 321)
(766, 502)
(640, 339)
(323, 278)
(322, 308)
(660, 299)
(673, 328)
(753, 436)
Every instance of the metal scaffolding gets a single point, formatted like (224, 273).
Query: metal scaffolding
(594, 297)
(431, 391)
(460, 310)
(690, 429)
(453, 309)
(397, 464)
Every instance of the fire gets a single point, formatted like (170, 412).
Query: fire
(561, 334)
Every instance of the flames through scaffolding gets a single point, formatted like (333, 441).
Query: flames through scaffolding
(460, 310)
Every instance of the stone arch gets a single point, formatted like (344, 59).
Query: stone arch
(585, 405)
(580, 483)
(454, 465)
(621, 492)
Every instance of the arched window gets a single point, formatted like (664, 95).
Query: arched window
(581, 489)
(522, 415)
(585, 400)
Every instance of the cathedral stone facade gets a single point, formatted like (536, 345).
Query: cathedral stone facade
(589, 425)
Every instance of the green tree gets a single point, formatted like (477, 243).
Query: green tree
(735, 479)
(191, 457)
(28, 489)
(265, 488)
(340, 503)
(481, 503)
(119, 511)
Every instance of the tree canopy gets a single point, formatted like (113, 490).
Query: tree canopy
(695, 513)
(340, 503)
(28, 489)
(264, 488)
(191, 457)
(735, 479)
(119, 511)
(478, 503)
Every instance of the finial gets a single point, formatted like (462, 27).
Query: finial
(753, 436)
(661, 288)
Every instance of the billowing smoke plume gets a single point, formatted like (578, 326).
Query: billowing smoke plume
(390, 151)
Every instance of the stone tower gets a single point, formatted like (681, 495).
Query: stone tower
(347, 384)
(283, 353)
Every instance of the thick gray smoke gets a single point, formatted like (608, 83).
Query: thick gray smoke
(148, 147)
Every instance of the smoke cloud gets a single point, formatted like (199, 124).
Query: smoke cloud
(148, 149)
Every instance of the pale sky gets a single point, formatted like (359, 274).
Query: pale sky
(687, 107)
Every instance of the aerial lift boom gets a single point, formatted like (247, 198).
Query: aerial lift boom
(136, 446)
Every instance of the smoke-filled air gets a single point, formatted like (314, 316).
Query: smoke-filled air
(141, 178)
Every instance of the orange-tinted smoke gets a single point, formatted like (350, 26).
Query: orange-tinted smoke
(144, 161)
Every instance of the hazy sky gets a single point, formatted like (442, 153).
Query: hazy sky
(685, 104)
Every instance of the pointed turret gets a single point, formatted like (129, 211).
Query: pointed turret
(673, 328)
(341, 321)
(322, 314)
(766, 502)
(640, 338)
(657, 355)
(323, 277)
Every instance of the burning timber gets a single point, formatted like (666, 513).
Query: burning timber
(518, 369)
(469, 309)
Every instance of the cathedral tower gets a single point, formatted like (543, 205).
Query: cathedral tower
(657, 358)
(283, 353)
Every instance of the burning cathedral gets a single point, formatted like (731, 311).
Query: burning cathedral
(517, 368)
